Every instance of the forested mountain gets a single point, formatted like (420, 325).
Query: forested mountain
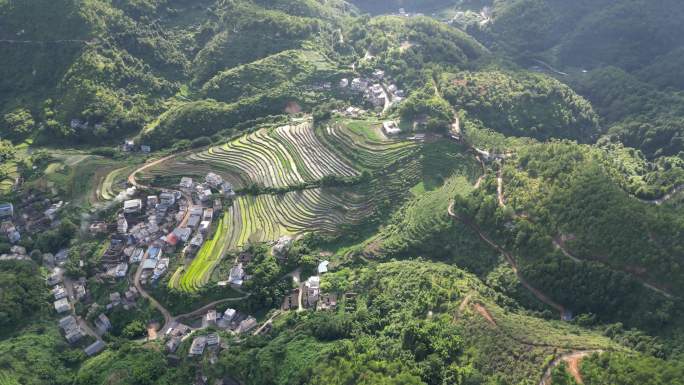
(624, 44)
(463, 192)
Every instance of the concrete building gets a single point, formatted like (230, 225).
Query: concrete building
(204, 227)
(173, 344)
(197, 347)
(132, 206)
(247, 325)
(210, 318)
(62, 305)
(59, 292)
(6, 210)
(72, 330)
(390, 127)
(94, 348)
(237, 275)
(229, 314)
(323, 267)
(213, 339)
(152, 201)
(97, 228)
(213, 180)
(208, 214)
(102, 324)
(359, 84)
(186, 183)
(167, 198)
(312, 288)
(160, 268)
(122, 225)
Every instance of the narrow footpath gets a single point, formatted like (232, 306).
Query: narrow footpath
(675, 191)
(561, 246)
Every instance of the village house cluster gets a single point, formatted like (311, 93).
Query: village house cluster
(33, 214)
(148, 227)
(230, 321)
(66, 294)
(129, 146)
(381, 92)
(377, 89)
(309, 295)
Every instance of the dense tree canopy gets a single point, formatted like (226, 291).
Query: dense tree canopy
(22, 294)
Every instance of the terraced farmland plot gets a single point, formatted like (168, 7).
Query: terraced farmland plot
(10, 172)
(265, 218)
(291, 155)
(361, 148)
(106, 189)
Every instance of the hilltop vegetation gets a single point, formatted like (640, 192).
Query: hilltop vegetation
(375, 7)
(38, 356)
(518, 104)
(562, 193)
(585, 33)
(114, 67)
(298, 67)
(22, 293)
(628, 46)
(641, 115)
(409, 47)
(246, 33)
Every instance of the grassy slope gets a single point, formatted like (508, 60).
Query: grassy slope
(423, 227)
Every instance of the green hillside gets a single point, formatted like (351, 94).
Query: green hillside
(413, 322)
(491, 192)
(518, 104)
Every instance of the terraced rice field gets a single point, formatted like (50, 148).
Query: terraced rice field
(360, 146)
(272, 157)
(106, 190)
(290, 156)
(8, 169)
(265, 218)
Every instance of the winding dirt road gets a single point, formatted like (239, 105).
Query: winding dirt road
(499, 189)
(559, 244)
(511, 261)
(572, 360)
(131, 178)
(168, 318)
(209, 306)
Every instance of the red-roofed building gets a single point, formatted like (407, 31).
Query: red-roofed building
(172, 239)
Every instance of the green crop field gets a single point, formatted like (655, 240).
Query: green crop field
(209, 255)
